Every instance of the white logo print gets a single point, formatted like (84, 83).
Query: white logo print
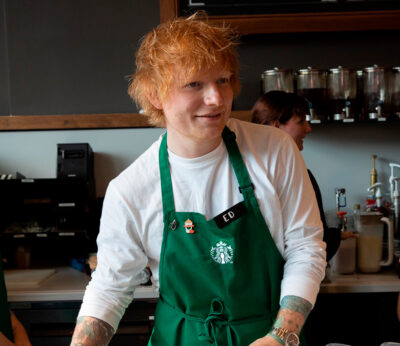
(222, 253)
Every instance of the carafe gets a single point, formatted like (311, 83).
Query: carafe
(370, 241)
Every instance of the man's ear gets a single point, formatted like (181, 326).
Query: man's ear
(154, 100)
(276, 123)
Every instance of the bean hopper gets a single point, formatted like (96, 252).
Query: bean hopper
(277, 79)
(376, 84)
(311, 84)
(342, 89)
(396, 91)
(359, 109)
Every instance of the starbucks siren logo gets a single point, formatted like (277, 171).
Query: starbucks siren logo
(222, 253)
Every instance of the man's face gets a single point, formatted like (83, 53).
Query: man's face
(197, 109)
(297, 127)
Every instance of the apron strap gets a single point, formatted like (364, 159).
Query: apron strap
(166, 185)
(246, 187)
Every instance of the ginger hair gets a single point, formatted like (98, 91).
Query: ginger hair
(184, 45)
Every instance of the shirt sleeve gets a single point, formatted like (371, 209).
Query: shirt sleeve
(304, 251)
(118, 270)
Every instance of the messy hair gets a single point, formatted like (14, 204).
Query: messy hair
(189, 44)
(279, 106)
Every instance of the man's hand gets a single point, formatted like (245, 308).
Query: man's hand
(20, 336)
(291, 316)
(265, 341)
(90, 331)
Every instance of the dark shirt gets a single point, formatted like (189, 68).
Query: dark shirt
(331, 234)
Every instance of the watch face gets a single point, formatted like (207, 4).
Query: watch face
(292, 340)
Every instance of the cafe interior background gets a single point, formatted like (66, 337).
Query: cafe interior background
(73, 57)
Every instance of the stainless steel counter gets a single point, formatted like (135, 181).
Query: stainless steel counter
(68, 284)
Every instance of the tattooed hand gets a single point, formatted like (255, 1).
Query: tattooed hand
(265, 341)
(291, 316)
(90, 331)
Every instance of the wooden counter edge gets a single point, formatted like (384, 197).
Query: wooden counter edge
(83, 121)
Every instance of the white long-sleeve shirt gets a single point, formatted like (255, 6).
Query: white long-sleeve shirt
(131, 229)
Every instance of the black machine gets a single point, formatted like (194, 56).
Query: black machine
(52, 220)
(75, 160)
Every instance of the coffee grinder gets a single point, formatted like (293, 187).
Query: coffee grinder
(341, 84)
(396, 91)
(277, 79)
(311, 84)
(376, 84)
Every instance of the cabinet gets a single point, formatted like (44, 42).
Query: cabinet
(46, 222)
(356, 319)
(298, 22)
(53, 323)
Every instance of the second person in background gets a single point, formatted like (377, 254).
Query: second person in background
(287, 111)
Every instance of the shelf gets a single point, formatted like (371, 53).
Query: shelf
(79, 121)
(392, 120)
(298, 22)
(41, 236)
(72, 121)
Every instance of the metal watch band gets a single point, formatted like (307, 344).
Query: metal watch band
(280, 332)
(286, 337)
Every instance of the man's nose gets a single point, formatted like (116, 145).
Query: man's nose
(213, 95)
(308, 127)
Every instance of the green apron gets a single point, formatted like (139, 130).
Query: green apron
(218, 286)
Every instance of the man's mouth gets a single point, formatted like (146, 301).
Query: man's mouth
(209, 115)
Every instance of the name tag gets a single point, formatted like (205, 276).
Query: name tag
(230, 215)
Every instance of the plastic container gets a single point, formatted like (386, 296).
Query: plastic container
(370, 242)
(344, 260)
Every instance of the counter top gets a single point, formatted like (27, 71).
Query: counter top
(68, 284)
(384, 281)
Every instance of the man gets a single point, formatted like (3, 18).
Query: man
(249, 269)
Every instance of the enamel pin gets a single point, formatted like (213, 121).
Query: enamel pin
(189, 226)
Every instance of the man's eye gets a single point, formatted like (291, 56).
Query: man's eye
(192, 85)
(223, 80)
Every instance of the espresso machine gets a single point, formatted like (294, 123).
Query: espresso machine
(311, 84)
(277, 79)
(376, 85)
(342, 89)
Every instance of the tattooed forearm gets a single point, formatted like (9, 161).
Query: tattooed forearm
(90, 331)
(297, 304)
(293, 313)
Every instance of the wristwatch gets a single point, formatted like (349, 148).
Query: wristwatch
(288, 338)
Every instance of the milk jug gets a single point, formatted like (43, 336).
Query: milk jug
(370, 242)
